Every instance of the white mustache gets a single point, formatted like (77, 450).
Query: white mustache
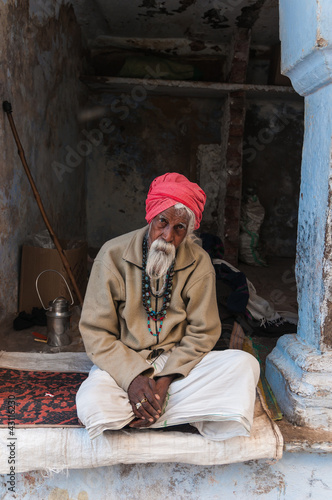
(161, 245)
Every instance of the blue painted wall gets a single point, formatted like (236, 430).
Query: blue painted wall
(297, 42)
(306, 34)
(314, 205)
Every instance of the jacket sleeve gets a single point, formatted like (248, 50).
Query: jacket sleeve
(203, 327)
(100, 327)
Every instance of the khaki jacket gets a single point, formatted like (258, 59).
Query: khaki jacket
(114, 322)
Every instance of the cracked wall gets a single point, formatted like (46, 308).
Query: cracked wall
(40, 63)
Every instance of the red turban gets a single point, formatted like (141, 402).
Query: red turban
(171, 188)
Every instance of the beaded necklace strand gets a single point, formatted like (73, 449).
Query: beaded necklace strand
(147, 292)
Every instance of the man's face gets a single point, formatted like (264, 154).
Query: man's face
(170, 225)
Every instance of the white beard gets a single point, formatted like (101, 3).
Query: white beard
(160, 257)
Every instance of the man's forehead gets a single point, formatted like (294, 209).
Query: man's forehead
(175, 214)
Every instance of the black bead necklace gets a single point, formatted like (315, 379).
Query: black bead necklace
(147, 293)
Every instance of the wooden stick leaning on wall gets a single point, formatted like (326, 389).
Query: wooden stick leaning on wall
(8, 110)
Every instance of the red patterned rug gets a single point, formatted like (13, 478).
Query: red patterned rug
(30, 398)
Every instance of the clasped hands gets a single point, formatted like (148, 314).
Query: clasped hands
(151, 393)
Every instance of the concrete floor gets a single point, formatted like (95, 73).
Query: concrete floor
(296, 477)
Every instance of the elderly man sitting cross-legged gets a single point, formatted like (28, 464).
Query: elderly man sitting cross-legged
(149, 323)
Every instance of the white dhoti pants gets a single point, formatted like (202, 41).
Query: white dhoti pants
(217, 397)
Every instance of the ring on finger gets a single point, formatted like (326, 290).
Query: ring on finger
(139, 404)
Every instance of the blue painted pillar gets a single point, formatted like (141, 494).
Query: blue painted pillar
(299, 369)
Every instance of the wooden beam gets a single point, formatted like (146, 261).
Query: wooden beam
(185, 88)
(237, 113)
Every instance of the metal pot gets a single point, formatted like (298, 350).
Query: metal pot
(58, 322)
(58, 316)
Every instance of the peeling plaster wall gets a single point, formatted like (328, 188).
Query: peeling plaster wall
(135, 142)
(296, 476)
(40, 63)
(197, 20)
(313, 270)
(272, 154)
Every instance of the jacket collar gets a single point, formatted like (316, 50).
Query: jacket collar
(133, 253)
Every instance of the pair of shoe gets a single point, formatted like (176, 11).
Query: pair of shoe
(25, 320)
